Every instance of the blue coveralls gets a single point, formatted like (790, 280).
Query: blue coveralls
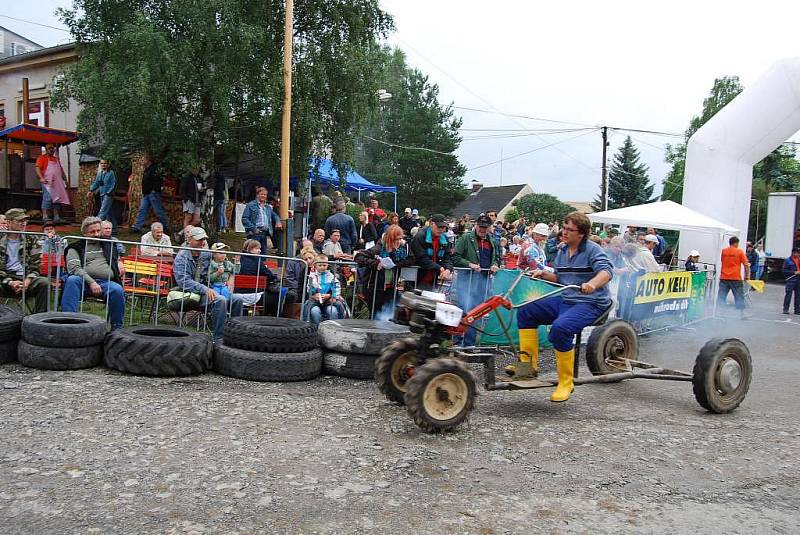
(569, 312)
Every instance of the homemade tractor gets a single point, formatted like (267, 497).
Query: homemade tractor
(430, 376)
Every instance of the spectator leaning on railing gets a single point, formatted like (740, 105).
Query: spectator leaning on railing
(20, 262)
(191, 272)
(94, 267)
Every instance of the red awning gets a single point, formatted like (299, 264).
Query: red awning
(38, 135)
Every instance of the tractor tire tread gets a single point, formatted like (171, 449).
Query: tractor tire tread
(129, 351)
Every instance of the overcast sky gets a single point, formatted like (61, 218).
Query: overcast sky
(631, 64)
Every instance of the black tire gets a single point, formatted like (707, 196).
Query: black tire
(722, 374)
(349, 365)
(263, 366)
(364, 337)
(59, 358)
(447, 406)
(64, 329)
(10, 323)
(394, 368)
(265, 333)
(8, 351)
(611, 341)
(158, 351)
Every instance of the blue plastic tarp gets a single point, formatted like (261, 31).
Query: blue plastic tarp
(327, 174)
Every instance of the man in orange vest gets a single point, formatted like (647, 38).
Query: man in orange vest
(730, 278)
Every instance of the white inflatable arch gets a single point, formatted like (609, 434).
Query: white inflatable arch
(721, 154)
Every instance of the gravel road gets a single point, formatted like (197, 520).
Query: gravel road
(95, 451)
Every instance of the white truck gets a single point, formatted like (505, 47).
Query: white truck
(783, 220)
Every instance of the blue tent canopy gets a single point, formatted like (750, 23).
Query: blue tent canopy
(327, 174)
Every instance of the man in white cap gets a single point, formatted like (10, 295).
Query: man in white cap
(407, 222)
(691, 261)
(191, 271)
(534, 256)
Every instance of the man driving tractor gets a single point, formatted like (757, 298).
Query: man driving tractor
(582, 263)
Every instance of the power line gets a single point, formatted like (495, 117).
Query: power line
(520, 116)
(35, 23)
(408, 147)
(481, 98)
(512, 136)
(530, 151)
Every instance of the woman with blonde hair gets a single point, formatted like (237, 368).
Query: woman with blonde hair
(367, 233)
(382, 264)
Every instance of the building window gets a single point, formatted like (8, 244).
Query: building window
(38, 112)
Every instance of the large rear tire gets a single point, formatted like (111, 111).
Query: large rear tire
(440, 395)
(158, 351)
(265, 333)
(365, 337)
(59, 358)
(10, 323)
(609, 345)
(64, 329)
(722, 374)
(265, 366)
(395, 367)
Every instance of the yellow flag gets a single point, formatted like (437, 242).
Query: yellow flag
(757, 285)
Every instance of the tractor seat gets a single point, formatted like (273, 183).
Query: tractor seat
(604, 316)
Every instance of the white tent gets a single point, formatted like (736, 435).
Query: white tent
(666, 215)
(669, 215)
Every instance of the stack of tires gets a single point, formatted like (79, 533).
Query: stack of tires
(62, 341)
(10, 323)
(264, 348)
(158, 351)
(351, 345)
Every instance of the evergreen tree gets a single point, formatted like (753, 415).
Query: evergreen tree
(628, 180)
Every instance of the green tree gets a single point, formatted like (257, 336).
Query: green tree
(722, 92)
(411, 139)
(184, 79)
(542, 208)
(511, 215)
(779, 171)
(628, 180)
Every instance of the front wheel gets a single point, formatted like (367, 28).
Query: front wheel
(440, 395)
(609, 346)
(722, 374)
(394, 367)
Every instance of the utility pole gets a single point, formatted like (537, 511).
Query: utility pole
(604, 183)
(287, 124)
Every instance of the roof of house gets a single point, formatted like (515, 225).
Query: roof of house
(487, 198)
(3, 28)
(580, 206)
(42, 52)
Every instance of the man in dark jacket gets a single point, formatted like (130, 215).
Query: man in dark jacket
(189, 191)
(791, 269)
(407, 222)
(432, 253)
(93, 268)
(152, 182)
(479, 251)
(343, 222)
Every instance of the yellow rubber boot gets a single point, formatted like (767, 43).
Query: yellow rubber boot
(527, 366)
(565, 364)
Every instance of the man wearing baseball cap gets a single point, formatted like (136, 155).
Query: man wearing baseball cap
(20, 262)
(479, 251)
(432, 253)
(407, 222)
(191, 270)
